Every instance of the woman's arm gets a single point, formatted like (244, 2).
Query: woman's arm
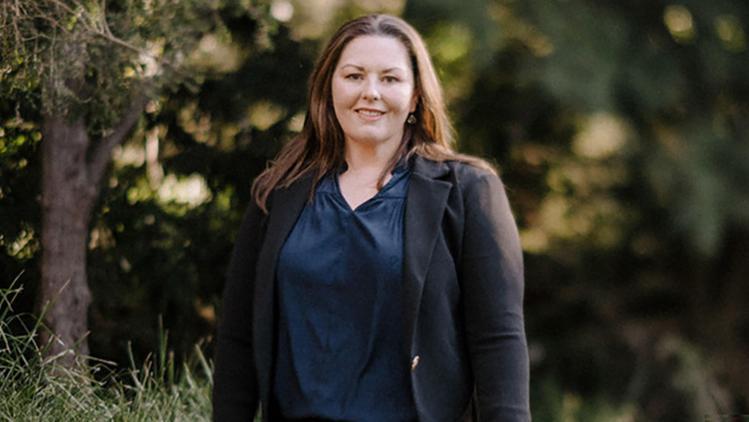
(235, 392)
(492, 288)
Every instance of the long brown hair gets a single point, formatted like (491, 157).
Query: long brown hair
(319, 147)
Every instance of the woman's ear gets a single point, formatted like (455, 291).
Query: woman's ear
(414, 102)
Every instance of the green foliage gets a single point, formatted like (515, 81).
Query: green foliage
(553, 404)
(620, 143)
(20, 172)
(620, 131)
(36, 389)
(19, 140)
(90, 58)
(677, 78)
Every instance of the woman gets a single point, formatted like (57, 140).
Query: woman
(377, 275)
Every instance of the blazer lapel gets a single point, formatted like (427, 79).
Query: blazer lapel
(425, 205)
(287, 204)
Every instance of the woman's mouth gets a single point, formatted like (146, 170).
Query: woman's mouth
(369, 114)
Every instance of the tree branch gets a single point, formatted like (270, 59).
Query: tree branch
(161, 61)
(102, 154)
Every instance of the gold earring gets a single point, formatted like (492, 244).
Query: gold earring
(411, 119)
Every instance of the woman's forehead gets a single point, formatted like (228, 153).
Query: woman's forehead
(375, 51)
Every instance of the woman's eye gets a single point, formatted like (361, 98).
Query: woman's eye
(353, 76)
(390, 79)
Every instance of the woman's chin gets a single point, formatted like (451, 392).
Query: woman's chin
(372, 139)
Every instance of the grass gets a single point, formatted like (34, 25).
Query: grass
(34, 388)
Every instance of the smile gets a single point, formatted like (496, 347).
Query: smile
(369, 113)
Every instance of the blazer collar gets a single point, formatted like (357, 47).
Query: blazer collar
(429, 169)
(425, 204)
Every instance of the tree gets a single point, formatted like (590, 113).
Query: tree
(91, 68)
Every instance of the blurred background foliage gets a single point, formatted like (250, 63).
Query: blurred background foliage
(621, 130)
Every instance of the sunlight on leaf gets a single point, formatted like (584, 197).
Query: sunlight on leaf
(601, 136)
(680, 23)
(263, 114)
(190, 190)
(730, 33)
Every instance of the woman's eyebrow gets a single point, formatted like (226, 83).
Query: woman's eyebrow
(361, 69)
(353, 65)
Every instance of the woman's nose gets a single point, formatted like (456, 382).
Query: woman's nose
(371, 89)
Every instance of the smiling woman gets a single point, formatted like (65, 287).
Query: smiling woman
(373, 91)
(373, 94)
(377, 275)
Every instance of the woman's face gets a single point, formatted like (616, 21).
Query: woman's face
(373, 90)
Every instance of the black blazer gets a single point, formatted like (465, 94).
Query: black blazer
(464, 335)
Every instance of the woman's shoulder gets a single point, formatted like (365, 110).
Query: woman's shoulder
(471, 178)
(468, 171)
(476, 168)
(463, 166)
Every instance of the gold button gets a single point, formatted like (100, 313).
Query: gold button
(414, 362)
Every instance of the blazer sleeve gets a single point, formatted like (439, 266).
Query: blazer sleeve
(492, 286)
(235, 390)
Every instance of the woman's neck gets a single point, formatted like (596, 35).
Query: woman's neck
(368, 159)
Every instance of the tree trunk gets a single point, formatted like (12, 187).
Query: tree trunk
(72, 172)
(68, 195)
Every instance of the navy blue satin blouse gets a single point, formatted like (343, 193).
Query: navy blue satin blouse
(340, 352)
